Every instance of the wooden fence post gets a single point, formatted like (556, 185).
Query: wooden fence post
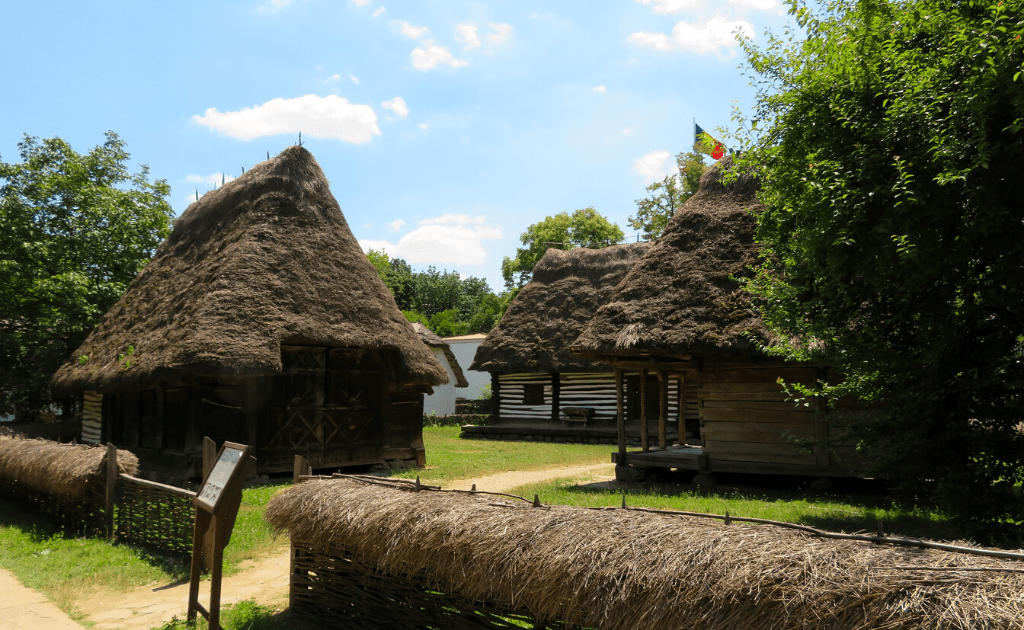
(301, 467)
(209, 455)
(112, 473)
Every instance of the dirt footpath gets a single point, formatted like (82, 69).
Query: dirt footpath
(21, 608)
(266, 580)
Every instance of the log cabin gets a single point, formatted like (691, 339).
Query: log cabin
(261, 321)
(539, 387)
(680, 316)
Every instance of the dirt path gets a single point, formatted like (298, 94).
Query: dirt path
(266, 580)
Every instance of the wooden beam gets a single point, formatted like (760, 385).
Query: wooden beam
(555, 396)
(662, 410)
(638, 364)
(112, 472)
(644, 443)
(681, 410)
(620, 417)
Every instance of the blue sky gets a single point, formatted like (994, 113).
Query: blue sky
(445, 128)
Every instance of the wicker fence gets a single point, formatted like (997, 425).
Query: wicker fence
(97, 497)
(330, 584)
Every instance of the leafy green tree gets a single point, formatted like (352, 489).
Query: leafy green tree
(667, 196)
(74, 232)
(584, 227)
(894, 240)
(397, 275)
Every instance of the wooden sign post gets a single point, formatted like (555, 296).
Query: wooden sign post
(217, 505)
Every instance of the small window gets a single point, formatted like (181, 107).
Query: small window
(533, 394)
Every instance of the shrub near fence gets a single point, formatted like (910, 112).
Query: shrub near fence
(78, 487)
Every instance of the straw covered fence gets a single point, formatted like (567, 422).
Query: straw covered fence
(70, 483)
(374, 553)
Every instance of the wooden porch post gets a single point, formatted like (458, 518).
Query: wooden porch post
(681, 410)
(644, 442)
(620, 418)
(662, 410)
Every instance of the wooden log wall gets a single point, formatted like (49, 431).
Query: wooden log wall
(511, 394)
(593, 389)
(745, 415)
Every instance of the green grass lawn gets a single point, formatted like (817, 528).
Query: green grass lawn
(450, 457)
(857, 507)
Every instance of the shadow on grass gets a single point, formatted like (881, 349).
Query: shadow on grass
(850, 505)
(248, 615)
(39, 528)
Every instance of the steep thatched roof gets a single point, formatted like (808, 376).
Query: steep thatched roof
(265, 260)
(623, 569)
(65, 470)
(428, 337)
(681, 298)
(553, 309)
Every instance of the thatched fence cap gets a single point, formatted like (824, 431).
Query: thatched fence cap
(266, 260)
(539, 326)
(620, 569)
(64, 470)
(683, 298)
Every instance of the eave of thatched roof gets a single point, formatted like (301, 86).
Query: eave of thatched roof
(682, 298)
(68, 471)
(265, 260)
(428, 337)
(551, 311)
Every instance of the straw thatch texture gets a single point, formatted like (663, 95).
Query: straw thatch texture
(681, 298)
(428, 337)
(620, 569)
(552, 310)
(63, 470)
(266, 259)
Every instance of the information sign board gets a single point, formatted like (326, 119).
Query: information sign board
(210, 493)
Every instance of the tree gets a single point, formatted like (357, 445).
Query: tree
(584, 227)
(893, 234)
(74, 232)
(667, 196)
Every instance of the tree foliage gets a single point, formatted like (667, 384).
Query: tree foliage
(74, 232)
(585, 227)
(667, 196)
(893, 231)
(442, 301)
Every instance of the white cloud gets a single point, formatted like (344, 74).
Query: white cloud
(466, 34)
(657, 41)
(450, 239)
(666, 7)
(712, 36)
(275, 5)
(430, 55)
(359, 3)
(318, 117)
(599, 89)
(410, 31)
(396, 225)
(211, 180)
(500, 34)
(761, 5)
(652, 166)
(379, 12)
(626, 131)
(424, 126)
(397, 105)
(334, 77)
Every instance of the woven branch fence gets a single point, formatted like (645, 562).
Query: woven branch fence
(371, 553)
(91, 490)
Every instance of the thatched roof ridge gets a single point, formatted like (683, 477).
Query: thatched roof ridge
(64, 470)
(267, 259)
(552, 310)
(623, 569)
(681, 298)
(430, 338)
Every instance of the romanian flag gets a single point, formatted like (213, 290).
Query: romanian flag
(704, 143)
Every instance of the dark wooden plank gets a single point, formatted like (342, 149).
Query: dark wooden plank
(756, 415)
(760, 432)
(788, 406)
(756, 452)
(759, 375)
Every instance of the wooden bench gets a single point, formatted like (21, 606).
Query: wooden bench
(577, 414)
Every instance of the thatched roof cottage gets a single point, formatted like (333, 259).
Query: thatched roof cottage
(442, 401)
(260, 321)
(679, 313)
(538, 384)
